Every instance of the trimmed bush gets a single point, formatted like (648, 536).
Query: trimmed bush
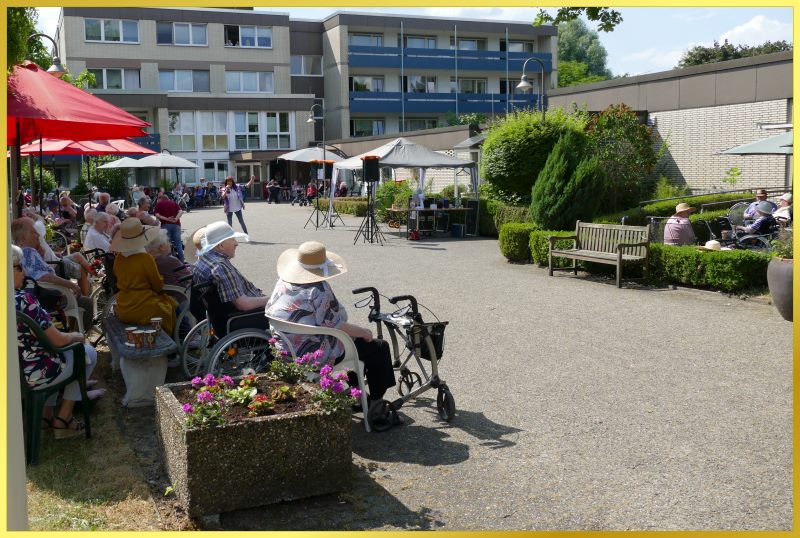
(347, 206)
(636, 215)
(514, 241)
(726, 270)
(540, 247)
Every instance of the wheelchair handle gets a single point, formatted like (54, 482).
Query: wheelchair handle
(410, 298)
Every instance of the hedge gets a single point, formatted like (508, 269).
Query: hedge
(514, 241)
(726, 270)
(348, 206)
(540, 247)
(636, 215)
(493, 214)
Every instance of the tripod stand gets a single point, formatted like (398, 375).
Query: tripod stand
(315, 215)
(369, 228)
(332, 213)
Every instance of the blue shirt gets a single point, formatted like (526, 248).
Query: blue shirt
(231, 284)
(751, 212)
(34, 265)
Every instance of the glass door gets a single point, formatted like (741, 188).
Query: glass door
(243, 174)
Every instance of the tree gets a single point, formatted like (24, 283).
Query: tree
(607, 19)
(726, 51)
(21, 25)
(473, 118)
(576, 43)
(575, 73)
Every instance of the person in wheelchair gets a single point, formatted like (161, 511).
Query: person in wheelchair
(235, 293)
(764, 223)
(678, 229)
(302, 295)
(784, 212)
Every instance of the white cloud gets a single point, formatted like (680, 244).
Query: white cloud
(758, 30)
(48, 20)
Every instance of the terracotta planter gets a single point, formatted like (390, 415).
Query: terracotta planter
(260, 461)
(779, 279)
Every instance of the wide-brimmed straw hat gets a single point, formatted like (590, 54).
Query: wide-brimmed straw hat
(216, 233)
(683, 206)
(309, 263)
(765, 208)
(132, 235)
(713, 245)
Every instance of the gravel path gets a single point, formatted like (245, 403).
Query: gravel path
(580, 405)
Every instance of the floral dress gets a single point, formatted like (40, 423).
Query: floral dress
(39, 367)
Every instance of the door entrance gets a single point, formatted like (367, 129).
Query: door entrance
(243, 174)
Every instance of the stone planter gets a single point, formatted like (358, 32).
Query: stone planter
(779, 279)
(259, 461)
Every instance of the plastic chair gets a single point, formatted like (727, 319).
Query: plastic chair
(35, 399)
(72, 310)
(350, 353)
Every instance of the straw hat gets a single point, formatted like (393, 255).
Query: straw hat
(310, 263)
(132, 235)
(216, 233)
(683, 206)
(713, 245)
(765, 208)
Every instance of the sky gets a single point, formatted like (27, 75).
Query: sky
(648, 40)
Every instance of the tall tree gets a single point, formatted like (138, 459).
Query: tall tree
(727, 51)
(21, 25)
(574, 74)
(577, 43)
(607, 19)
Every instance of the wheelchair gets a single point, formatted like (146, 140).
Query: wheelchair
(415, 344)
(742, 241)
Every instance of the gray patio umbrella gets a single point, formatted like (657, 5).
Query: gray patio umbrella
(164, 161)
(774, 145)
(125, 162)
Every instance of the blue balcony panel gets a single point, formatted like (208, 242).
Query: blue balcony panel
(476, 60)
(438, 103)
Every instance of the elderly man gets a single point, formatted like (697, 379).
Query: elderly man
(99, 235)
(678, 229)
(751, 212)
(25, 236)
(214, 265)
(764, 223)
(103, 199)
(784, 212)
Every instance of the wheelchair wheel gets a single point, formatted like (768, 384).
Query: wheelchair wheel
(242, 352)
(100, 299)
(445, 404)
(194, 349)
(408, 380)
(58, 242)
(756, 243)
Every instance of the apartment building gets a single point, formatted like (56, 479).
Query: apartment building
(231, 89)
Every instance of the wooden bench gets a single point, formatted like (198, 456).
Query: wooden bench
(143, 369)
(611, 244)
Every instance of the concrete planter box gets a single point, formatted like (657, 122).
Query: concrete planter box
(259, 461)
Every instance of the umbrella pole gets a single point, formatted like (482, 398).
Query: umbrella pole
(16, 176)
(41, 180)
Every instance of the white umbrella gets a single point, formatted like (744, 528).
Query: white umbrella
(164, 160)
(306, 155)
(125, 162)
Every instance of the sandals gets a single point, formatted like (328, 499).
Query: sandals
(47, 424)
(69, 428)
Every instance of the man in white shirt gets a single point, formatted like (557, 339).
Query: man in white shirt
(98, 236)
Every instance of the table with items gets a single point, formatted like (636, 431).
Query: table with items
(427, 221)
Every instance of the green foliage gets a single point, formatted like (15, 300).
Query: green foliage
(517, 147)
(577, 43)
(732, 176)
(573, 73)
(782, 247)
(607, 19)
(700, 55)
(473, 118)
(726, 270)
(568, 188)
(540, 247)
(48, 181)
(490, 192)
(347, 206)
(84, 80)
(81, 188)
(447, 192)
(665, 189)
(514, 241)
(386, 194)
(625, 149)
(20, 25)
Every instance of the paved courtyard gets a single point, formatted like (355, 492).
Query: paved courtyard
(580, 405)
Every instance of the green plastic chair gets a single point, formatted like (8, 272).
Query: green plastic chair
(34, 400)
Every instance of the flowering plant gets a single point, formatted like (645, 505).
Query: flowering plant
(336, 393)
(211, 400)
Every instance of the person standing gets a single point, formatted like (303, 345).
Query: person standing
(233, 200)
(274, 191)
(169, 214)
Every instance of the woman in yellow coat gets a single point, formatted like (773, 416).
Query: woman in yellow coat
(138, 280)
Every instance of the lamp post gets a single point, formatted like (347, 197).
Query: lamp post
(56, 69)
(312, 119)
(524, 85)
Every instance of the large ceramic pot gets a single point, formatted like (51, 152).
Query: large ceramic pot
(255, 462)
(779, 279)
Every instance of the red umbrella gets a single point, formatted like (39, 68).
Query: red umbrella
(87, 147)
(45, 106)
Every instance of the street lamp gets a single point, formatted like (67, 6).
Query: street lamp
(312, 119)
(56, 69)
(524, 85)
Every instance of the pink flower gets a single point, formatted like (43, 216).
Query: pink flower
(187, 408)
(284, 353)
(304, 359)
(355, 392)
(227, 380)
(209, 380)
(196, 381)
(325, 382)
(325, 370)
(205, 396)
(341, 376)
(273, 341)
(318, 354)
(338, 387)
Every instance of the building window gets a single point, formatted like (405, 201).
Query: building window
(183, 80)
(306, 65)
(214, 130)
(278, 136)
(111, 30)
(248, 36)
(115, 79)
(215, 170)
(366, 40)
(247, 129)
(419, 84)
(188, 175)
(419, 42)
(182, 131)
(468, 43)
(417, 124)
(366, 83)
(249, 82)
(517, 46)
(468, 85)
(367, 127)
(510, 83)
(181, 33)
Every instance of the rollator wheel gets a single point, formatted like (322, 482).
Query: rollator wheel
(407, 382)
(445, 404)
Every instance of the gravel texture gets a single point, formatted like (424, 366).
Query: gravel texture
(579, 405)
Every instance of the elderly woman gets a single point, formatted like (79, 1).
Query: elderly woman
(41, 369)
(302, 295)
(113, 212)
(140, 297)
(169, 267)
(99, 235)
